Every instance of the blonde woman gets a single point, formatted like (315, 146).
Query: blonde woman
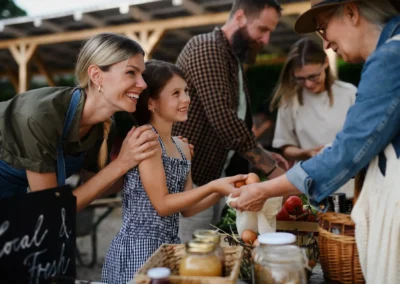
(312, 104)
(50, 133)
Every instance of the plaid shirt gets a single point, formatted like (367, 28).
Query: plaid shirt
(213, 125)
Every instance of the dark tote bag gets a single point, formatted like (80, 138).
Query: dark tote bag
(37, 236)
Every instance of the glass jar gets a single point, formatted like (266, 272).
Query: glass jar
(159, 275)
(200, 260)
(214, 237)
(281, 264)
(273, 239)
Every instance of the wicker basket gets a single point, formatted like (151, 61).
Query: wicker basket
(338, 250)
(170, 256)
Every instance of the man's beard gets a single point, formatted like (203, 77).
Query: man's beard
(245, 48)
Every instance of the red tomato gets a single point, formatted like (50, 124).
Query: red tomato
(283, 215)
(294, 205)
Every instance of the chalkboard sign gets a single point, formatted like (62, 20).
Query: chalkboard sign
(37, 236)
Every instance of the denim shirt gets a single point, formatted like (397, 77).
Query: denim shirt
(371, 124)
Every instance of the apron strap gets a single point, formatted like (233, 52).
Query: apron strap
(73, 105)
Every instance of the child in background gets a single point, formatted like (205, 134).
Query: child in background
(160, 187)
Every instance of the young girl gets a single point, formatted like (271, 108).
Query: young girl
(160, 187)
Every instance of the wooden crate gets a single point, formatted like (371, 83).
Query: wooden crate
(169, 256)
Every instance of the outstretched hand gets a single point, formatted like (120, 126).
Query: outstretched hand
(250, 198)
(225, 186)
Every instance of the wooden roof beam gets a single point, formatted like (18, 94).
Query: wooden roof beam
(11, 30)
(89, 19)
(144, 16)
(169, 24)
(48, 25)
(190, 6)
(140, 14)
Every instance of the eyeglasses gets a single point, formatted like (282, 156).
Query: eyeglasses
(312, 78)
(321, 29)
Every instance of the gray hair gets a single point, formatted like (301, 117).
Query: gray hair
(375, 12)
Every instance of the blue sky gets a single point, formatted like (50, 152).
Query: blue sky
(44, 7)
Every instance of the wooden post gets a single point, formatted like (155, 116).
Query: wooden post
(148, 39)
(13, 77)
(22, 53)
(43, 70)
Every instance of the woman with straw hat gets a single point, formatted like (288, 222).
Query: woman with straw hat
(369, 31)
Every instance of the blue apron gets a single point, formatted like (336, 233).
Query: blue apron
(14, 181)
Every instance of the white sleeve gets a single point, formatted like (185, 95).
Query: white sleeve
(285, 129)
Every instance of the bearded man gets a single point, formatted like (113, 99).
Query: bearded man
(219, 121)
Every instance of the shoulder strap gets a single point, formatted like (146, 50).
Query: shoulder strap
(73, 106)
(164, 151)
(179, 148)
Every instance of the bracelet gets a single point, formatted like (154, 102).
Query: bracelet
(271, 171)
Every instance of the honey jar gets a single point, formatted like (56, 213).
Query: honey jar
(201, 259)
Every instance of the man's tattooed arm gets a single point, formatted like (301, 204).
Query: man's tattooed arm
(264, 161)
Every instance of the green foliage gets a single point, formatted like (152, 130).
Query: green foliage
(8, 9)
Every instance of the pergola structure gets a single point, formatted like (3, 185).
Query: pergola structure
(49, 44)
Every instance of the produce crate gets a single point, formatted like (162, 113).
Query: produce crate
(169, 256)
(302, 230)
(307, 238)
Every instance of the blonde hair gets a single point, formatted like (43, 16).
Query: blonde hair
(104, 50)
(303, 52)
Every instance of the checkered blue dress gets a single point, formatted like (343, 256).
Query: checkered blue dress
(143, 230)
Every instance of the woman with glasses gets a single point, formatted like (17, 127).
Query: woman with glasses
(312, 103)
(359, 31)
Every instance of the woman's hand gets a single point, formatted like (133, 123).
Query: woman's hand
(225, 186)
(140, 143)
(253, 196)
(191, 147)
(250, 197)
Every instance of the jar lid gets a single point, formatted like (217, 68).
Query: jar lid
(159, 273)
(276, 239)
(207, 235)
(198, 245)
